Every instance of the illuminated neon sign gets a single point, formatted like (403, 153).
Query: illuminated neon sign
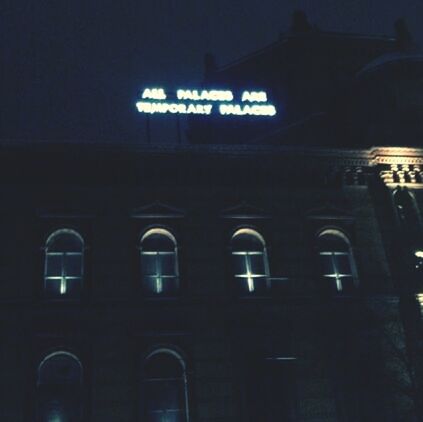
(205, 102)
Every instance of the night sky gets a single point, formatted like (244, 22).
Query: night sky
(72, 70)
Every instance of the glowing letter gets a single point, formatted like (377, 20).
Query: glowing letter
(191, 109)
(246, 96)
(154, 94)
(258, 97)
(182, 94)
(208, 108)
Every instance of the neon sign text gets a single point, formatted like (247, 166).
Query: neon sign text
(205, 102)
(195, 95)
(173, 108)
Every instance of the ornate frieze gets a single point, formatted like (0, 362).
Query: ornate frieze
(402, 174)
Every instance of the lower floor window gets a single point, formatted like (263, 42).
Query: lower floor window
(165, 388)
(59, 389)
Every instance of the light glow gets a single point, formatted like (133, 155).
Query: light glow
(254, 97)
(159, 285)
(194, 101)
(154, 94)
(173, 108)
(419, 254)
(63, 285)
(195, 95)
(247, 110)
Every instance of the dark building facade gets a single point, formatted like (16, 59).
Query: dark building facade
(266, 281)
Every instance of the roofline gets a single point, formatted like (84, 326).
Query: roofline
(374, 67)
(285, 37)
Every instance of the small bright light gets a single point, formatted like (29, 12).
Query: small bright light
(250, 282)
(159, 285)
(419, 254)
(63, 285)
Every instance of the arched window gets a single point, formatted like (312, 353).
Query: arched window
(336, 260)
(165, 395)
(64, 264)
(249, 260)
(59, 388)
(159, 263)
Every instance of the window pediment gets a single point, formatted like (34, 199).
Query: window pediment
(244, 210)
(157, 210)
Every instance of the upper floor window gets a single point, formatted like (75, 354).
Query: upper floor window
(336, 259)
(64, 264)
(165, 387)
(159, 263)
(59, 388)
(249, 260)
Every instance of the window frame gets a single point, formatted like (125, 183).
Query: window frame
(265, 256)
(81, 385)
(179, 356)
(151, 230)
(340, 234)
(82, 254)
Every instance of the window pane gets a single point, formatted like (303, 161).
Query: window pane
(257, 264)
(343, 264)
(52, 288)
(164, 394)
(151, 284)
(59, 406)
(327, 264)
(167, 263)
(170, 285)
(247, 242)
(73, 265)
(73, 288)
(60, 368)
(148, 264)
(65, 242)
(239, 264)
(163, 365)
(158, 243)
(54, 265)
(348, 286)
(260, 285)
(256, 285)
(332, 243)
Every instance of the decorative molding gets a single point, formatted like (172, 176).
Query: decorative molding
(157, 210)
(245, 211)
(402, 174)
